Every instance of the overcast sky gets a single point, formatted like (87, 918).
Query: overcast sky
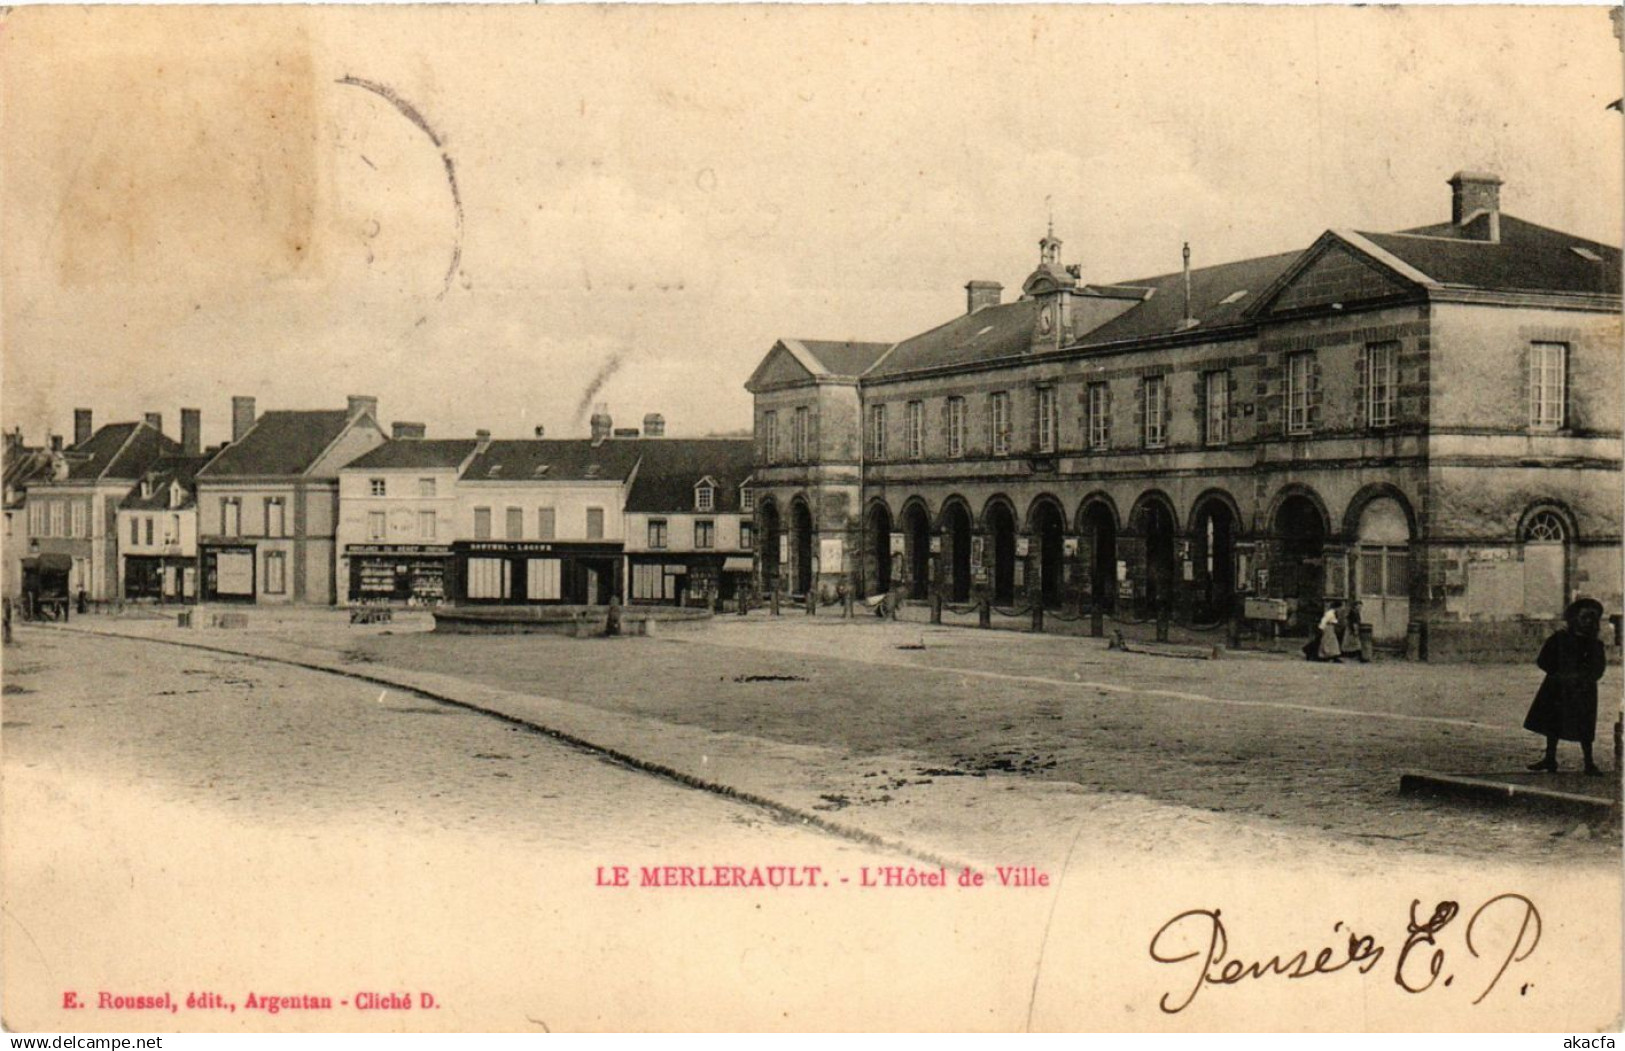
(195, 206)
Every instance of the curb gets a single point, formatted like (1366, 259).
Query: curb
(1502, 793)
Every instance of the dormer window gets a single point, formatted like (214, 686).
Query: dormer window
(494, 470)
(747, 499)
(705, 495)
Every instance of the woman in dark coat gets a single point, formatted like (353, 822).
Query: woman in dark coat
(1565, 708)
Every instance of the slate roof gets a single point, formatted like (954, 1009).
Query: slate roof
(424, 453)
(843, 358)
(550, 459)
(1528, 257)
(23, 465)
(1211, 286)
(281, 442)
(163, 473)
(672, 467)
(992, 332)
(118, 451)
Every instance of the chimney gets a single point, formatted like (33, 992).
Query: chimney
(1475, 193)
(654, 425)
(482, 441)
(602, 425)
(360, 403)
(979, 294)
(82, 428)
(242, 416)
(155, 420)
(56, 443)
(402, 429)
(541, 432)
(191, 432)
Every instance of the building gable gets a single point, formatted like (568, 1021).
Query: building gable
(781, 367)
(1333, 272)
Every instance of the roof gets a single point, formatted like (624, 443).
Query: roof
(421, 453)
(163, 474)
(117, 451)
(672, 467)
(842, 358)
(24, 464)
(1527, 258)
(281, 442)
(553, 460)
(992, 332)
(1219, 295)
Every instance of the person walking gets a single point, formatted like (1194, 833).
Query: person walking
(1565, 707)
(1356, 641)
(1330, 650)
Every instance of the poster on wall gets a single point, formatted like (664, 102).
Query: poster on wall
(234, 573)
(784, 549)
(898, 546)
(832, 554)
(1023, 546)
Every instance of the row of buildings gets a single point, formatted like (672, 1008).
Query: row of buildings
(1428, 421)
(323, 506)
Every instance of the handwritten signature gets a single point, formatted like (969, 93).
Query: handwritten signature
(1505, 928)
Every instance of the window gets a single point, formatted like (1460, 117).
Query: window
(426, 486)
(78, 514)
(1548, 382)
(36, 518)
(1544, 528)
(546, 523)
(998, 418)
(275, 517)
(276, 572)
(770, 435)
(149, 531)
(489, 578)
(172, 535)
(135, 530)
(376, 527)
(1298, 373)
(1155, 391)
(1217, 388)
(1381, 375)
(482, 523)
(514, 526)
(657, 532)
(705, 533)
(1099, 420)
(649, 582)
(231, 516)
(542, 578)
(375, 486)
(426, 525)
(595, 523)
(798, 435)
(916, 430)
(1046, 419)
(56, 519)
(747, 536)
(747, 499)
(705, 498)
(877, 432)
(956, 427)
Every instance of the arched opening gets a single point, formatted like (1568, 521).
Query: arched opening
(1156, 525)
(956, 544)
(917, 550)
(1546, 536)
(768, 532)
(1001, 528)
(1048, 529)
(1098, 527)
(801, 547)
(1213, 552)
(1382, 571)
(1299, 573)
(879, 556)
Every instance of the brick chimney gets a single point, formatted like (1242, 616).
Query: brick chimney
(191, 432)
(155, 420)
(602, 425)
(979, 294)
(541, 431)
(82, 429)
(482, 441)
(242, 416)
(360, 403)
(402, 429)
(1473, 194)
(654, 425)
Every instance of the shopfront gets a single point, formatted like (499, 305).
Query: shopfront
(228, 573)
(533, 572)
(161, 578)
(410, 573)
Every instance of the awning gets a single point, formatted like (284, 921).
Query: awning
(50, 561)
(737, 564)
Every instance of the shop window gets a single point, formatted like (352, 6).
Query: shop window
(489, 578)
(276, 573)
(542, 579)
(651, 582)
(705, 534)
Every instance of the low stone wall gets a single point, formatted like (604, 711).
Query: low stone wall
(1499, 641)
(570, 621)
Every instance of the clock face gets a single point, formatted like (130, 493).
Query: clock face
(1045, 321)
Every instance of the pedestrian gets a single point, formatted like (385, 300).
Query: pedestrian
(1329, 648)
(1356, 640)
(1565, 707)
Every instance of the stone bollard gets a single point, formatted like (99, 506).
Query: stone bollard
(1366, 644)
(846, 605)
(1162, 624)
(1097, 621)
(1038, 616)
(744, 601)
(984, 613)
(612, 622)
(812, 601)
(775, 602)
(1233, 632)
(936, 607)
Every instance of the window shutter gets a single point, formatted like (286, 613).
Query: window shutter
(812, 434)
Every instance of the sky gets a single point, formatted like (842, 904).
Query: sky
(498, 217)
